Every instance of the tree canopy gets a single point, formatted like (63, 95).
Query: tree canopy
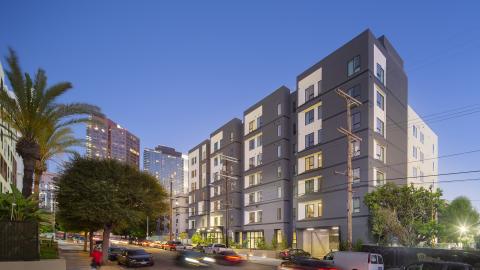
(108, 193)
(460, 221)
(405, 214)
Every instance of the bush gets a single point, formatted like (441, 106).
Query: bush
(48, 250)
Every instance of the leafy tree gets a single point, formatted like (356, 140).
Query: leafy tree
(137, 228)
(13, 206)
(459, 215)
(52, 141)
(31, 107)
(109, 193)
(404, 213)
(197, 239)
(183, 235)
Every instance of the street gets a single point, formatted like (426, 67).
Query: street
(165, 260)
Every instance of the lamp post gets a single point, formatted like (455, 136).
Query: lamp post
(170, 233)
(11, 215)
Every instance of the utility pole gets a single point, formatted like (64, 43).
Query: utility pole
(147, 228)
(350, 101)
(171, 209)
(227, 177)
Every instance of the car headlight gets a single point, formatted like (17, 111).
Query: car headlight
(208, 259)
(191, 260)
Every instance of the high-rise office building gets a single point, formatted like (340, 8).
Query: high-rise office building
(168, 167)
(46, 197)
(291, 180)
(107, 139)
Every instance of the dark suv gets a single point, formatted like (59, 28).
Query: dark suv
(439, 266)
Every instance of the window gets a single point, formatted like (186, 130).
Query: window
(215, 161)
(279, 130)
(355, 148)
(259, 140)
(279, 213)
(279, 151)
(251, 217)
(309, 163)
(320, 135)
(320, 209)
(215, 146)
(353, 66)
(231, 136)
(356, 175)
(380, 101)
(259, 216)
(422, 137)
(356, 204)
(251, 197)
(380, 152)
(279, 192)
(259, 159)
(422, 157)
(380, 73)
(309, 140)
(279, 171)
(414, 172)
(319, 112)
(309, 93)
(414, 152)
(319, 160)
(414, 131)
(279, 109)
(309, 210)
(356, 120)
(251, 144)
(259, 177)
(309, 186)
(251, 162)
(354, 91)
(259, 122)
(380, 178)
(309, 116)
(251, 180)
(251, 126)
(380, 127)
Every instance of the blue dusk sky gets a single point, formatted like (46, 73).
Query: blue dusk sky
(172, 72)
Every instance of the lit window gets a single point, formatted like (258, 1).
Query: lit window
(356, 204)
(309, 186)
(380, 126)
(279, 171)
(279, 109)
(353, 66)
(319, 160)
(279, 151)
(309, 210)
(380, 178)
(356, 175)
(309, 165)
(279, 130)
(355, 148)
(380, 152)
(279, 192)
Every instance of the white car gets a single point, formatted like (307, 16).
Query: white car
(184, 247)
(215, 248)
(349, 260)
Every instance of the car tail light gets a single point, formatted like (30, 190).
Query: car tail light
(232, 258)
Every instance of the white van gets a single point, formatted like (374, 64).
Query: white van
(349, 260)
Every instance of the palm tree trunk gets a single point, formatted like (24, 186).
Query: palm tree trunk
(90, 239)
(36, 183)
(28, 169)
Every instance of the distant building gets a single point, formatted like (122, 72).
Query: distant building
(107, 139)
(168, 166)
(11, 168)
(46, 195)
(422, 153)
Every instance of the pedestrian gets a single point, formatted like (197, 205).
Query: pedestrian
(96, 258)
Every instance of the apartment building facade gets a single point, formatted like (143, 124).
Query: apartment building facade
(107, 139)
(294, 184)
(422, 152)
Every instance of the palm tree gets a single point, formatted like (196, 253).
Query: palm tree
(32, 107)
(53, 142)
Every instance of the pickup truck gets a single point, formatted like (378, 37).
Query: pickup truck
(215, 248)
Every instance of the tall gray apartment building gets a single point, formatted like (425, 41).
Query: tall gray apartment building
(291, 182)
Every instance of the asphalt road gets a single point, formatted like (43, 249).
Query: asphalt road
(165, 260)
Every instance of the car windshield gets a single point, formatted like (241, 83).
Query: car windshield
(137, 252)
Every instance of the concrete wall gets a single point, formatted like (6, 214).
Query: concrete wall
(58, 264)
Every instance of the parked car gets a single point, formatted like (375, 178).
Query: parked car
(146, 243)
(114, 252)
(215, 248)
(439, 266)
(289, 254)
(193, 258)
(184, 247)
(199, 248)
(228, 257)
(158, 244)
(172, 245)
(348, 260)
(135, 257)
(305, 263)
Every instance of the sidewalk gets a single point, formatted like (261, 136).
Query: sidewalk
(76, 258)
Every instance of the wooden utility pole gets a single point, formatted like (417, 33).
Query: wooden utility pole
(350, 101)
(170, 227)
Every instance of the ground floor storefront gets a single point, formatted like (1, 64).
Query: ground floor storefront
(317, 241)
